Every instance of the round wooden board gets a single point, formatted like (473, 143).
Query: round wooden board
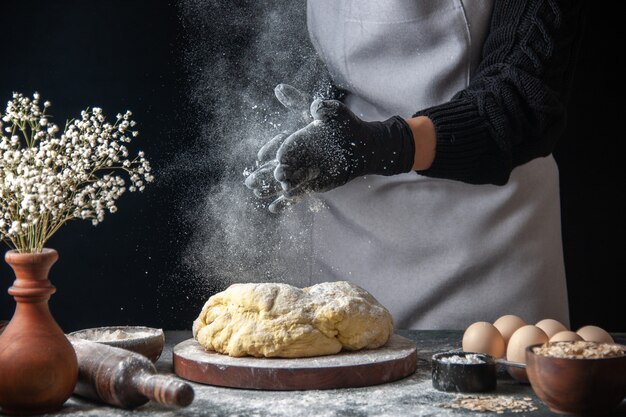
(396, 360)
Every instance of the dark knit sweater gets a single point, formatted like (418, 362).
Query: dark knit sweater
(513, 110)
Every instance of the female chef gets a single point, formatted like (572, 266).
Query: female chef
(441, 193)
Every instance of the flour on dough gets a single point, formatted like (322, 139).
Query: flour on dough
(280, 320)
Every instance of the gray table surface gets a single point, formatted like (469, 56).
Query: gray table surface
(412, 396)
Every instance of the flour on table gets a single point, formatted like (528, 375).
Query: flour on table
(280, 320)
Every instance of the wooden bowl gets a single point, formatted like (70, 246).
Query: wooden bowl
(146, 341)
(577, 386)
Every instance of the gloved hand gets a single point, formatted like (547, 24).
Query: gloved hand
(338, 147)
(262, 180)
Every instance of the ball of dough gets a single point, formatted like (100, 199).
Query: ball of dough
(280, 320)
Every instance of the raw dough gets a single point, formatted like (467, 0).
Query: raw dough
(280, 320)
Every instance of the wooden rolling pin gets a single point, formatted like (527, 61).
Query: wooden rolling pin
(125, 379)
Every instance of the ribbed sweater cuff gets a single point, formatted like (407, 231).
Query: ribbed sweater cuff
(463, 142)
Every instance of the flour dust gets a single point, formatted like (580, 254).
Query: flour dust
(237, 52)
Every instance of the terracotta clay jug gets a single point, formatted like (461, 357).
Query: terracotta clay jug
(38, 367)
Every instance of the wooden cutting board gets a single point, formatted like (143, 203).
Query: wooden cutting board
(396, 360)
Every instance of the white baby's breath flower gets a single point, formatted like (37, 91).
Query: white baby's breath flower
(46, 180)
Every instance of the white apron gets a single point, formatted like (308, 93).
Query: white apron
(437, 253)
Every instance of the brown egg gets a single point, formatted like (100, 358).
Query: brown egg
(566, 336)
(483, 337)
(550, 326)
(507, 325)
(595, 334)
(521, 339)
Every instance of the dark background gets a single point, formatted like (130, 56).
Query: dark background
(130, 55)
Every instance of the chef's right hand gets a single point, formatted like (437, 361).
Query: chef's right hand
(261, 181)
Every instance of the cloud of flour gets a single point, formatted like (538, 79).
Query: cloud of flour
(236, 53)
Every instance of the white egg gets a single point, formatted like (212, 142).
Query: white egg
(507, 325)
(551, 326)
(522, 338)
(483, 337)
(566, 336)
(595, 334)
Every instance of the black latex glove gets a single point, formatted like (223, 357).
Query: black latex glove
(262, 181)
(338, 147)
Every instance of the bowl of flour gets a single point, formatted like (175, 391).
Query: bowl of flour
(147, 341)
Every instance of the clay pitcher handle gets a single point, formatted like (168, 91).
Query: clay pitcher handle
(166, 390)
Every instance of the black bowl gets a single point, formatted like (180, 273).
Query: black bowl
(461, 377)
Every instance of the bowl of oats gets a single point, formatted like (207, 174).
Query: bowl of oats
(578, 377)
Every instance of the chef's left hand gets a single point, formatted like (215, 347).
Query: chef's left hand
(338, 147)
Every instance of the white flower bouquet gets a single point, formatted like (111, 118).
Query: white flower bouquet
(48, 177)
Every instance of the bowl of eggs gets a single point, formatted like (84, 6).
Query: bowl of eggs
(509, 336)
(578, 377)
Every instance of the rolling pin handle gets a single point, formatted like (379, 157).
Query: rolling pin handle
(166, 390)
